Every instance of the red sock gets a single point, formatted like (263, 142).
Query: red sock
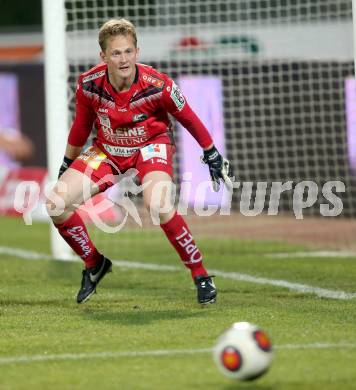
(76, 235)
(180, 237)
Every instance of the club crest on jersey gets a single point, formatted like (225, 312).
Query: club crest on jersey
(139, 117)
(104, 121)
(177, 96)
(152, 80)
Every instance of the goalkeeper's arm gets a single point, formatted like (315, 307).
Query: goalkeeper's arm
(219, 167)
(79, 131)
(78, 134)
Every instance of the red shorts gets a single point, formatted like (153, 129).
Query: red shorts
(95, 164)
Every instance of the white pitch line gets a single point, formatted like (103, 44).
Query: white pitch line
(313, 254)
(302, 288)
(316, 346)
(99, 355)
(151, 353)
(24, 254)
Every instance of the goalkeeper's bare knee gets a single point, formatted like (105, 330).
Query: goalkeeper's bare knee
(56, 208)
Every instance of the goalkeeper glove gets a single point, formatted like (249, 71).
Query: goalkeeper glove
(65, 165)
(219, 168)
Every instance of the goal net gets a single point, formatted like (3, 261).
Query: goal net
(273, 81)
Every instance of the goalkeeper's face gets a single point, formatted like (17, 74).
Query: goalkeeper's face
(120, 55)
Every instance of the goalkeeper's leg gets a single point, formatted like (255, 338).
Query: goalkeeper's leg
(157, 200)
(68, 194)
(61, 205)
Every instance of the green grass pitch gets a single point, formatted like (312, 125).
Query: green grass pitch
(68, 346)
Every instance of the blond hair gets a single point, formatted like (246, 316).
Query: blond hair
(114, 27)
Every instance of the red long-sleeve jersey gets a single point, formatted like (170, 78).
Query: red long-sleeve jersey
(127, 121)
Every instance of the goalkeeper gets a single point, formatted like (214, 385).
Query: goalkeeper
(128, 103)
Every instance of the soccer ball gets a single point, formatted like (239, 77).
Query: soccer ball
(243, 351)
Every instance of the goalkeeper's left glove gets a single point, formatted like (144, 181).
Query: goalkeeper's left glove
(65, 165)
(219, 168)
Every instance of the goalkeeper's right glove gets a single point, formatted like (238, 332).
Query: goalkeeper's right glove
(65, 165)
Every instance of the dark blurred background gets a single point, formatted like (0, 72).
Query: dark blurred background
(21, 14)
(21, 53)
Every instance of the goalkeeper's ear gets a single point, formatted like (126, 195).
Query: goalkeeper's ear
(103, 57)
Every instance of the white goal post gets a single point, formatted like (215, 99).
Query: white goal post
(57, 114)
